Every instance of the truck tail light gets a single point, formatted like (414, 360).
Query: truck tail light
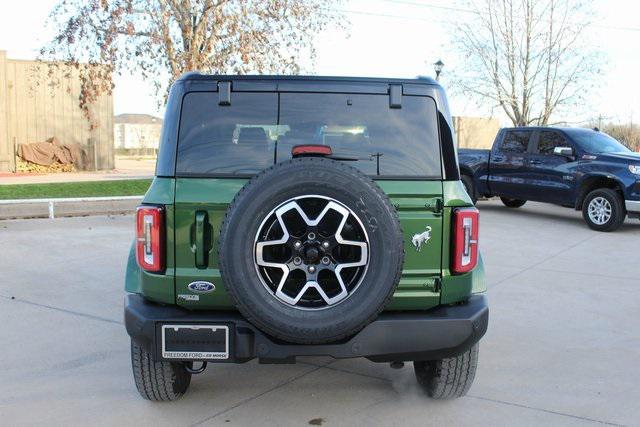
(150, 238)
(465, 240)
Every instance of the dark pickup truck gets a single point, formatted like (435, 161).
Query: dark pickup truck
(574, 167)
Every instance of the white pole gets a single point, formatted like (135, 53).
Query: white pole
(51, 211)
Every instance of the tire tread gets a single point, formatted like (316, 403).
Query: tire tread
(448, 378)
(157, 380)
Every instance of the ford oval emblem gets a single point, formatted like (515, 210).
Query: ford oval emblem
(201, 287)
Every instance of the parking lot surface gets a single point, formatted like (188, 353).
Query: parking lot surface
(563, 344)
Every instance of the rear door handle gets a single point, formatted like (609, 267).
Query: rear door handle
(535, 162)
(498, 159)
(201, 258)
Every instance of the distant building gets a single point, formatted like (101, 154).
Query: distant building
(475, 132)
(136, 132)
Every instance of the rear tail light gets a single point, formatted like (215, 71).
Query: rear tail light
(150, 238)
(465, 240)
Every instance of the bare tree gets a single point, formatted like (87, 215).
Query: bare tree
(161, 39)
(528, 57)
(626, 133)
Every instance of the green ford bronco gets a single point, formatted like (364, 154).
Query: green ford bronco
(297, 216)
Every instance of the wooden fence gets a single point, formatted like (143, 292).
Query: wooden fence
(35, 106)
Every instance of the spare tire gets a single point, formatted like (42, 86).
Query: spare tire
(311, 250)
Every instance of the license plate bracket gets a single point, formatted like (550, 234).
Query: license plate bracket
(195, 342)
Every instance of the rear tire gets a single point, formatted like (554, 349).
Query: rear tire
(614, 213)
(448, 378)
(158, 381)
(512, 203)
(467, 181)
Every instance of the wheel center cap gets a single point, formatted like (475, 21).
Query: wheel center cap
(311, 254)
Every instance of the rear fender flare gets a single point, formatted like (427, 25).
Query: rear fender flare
(132, 281)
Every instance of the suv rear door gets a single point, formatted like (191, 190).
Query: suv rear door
(222, 144)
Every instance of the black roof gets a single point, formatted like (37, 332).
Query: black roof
(194, 75)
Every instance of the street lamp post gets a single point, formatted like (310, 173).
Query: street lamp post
(437, 66)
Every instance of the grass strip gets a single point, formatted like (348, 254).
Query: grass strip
(124, 187)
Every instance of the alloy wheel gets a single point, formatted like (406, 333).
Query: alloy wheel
(599, 210)
(311, 252)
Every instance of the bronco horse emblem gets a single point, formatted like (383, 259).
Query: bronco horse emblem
(420, 239)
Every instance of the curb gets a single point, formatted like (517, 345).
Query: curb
(63, 207)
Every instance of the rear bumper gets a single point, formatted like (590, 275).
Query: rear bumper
(428, 335)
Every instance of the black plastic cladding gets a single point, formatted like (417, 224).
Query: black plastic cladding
(195, 82)
(400, 336)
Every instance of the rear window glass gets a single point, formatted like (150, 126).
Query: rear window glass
(515, 141)
(236, 139)
(246, 137)
(386, 141)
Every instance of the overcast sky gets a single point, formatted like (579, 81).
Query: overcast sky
(391, 38)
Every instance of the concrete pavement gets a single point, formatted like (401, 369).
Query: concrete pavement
(562, 348)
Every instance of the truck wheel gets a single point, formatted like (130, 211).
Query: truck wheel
(512, 203)
(448, 378)
(603, 210)
(158, 381)
(467, 181)
(311, 250)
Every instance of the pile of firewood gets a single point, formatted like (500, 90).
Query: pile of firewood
(29, 167)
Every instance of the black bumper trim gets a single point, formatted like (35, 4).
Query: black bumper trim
(398, 336)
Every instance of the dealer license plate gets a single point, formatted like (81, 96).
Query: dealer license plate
(196, 342)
